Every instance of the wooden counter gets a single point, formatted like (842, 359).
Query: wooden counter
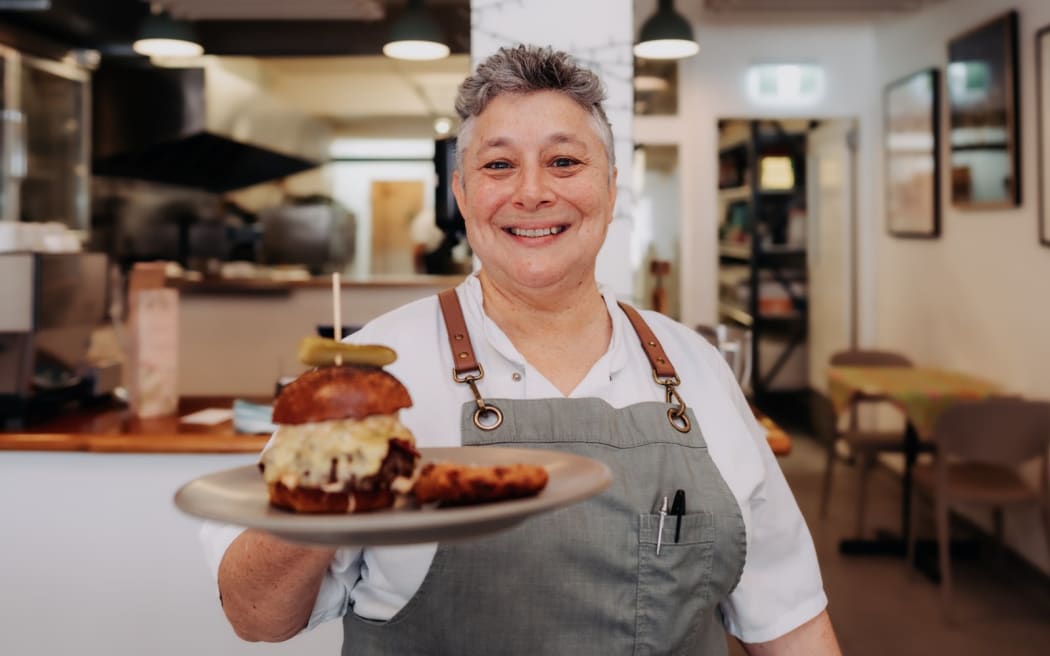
(264, 285)
(115, 430)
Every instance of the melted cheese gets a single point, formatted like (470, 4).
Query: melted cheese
(303, 454)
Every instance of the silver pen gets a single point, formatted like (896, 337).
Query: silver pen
(660, 528)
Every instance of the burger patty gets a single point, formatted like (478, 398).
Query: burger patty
(399, 462)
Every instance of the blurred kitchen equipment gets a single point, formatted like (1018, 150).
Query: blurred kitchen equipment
(52, 303)
(446, 211)
(734, 343)
(205, 128)
(314, 231)
(18, 236)
(44, 172)
(325, 330)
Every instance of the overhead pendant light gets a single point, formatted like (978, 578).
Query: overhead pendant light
(442, 126)
(666, 35)
(416, 36)
(162, 36)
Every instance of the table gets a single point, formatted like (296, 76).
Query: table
(921, 394)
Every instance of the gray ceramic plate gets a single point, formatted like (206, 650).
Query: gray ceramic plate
(239, 496)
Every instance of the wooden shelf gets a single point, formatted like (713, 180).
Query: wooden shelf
(785, 264)
(734, 193)
(737, 314)
(735, 251)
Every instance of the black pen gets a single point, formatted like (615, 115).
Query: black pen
(678, 509)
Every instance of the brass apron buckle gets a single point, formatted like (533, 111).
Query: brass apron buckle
(484, 409)
(676, 414)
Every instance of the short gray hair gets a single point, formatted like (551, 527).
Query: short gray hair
(525, 69)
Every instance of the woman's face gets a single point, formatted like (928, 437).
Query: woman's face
(535, 191)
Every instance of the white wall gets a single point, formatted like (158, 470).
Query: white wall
(974, 299)
(261, 332)
(99, 562)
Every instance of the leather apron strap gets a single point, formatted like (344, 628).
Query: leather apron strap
(662, 367)
(663, 371)
(464, 361)
(465, 367)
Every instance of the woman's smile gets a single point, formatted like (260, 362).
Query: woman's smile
(533, 233)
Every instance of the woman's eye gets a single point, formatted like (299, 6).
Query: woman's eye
(562, 162)
(497, 165)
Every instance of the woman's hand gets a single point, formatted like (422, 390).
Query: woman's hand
(814, 638)
(268, 587)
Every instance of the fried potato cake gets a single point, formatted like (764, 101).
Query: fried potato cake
(452, 484)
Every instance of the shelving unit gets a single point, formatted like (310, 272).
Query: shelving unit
(762, 260)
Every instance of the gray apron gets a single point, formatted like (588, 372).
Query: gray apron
(585, 579)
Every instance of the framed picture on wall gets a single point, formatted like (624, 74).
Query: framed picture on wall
(984, 131)
(1042, 65)
(912, 155)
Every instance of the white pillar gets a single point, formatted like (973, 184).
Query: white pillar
(599, 34)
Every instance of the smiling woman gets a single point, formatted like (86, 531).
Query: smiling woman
(562, 365)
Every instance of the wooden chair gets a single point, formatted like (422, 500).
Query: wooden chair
(864, 446)
(980, 447)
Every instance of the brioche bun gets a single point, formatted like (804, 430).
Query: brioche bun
(344, 392)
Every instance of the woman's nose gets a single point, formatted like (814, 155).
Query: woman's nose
(533, 191)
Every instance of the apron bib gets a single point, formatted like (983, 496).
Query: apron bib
(584, 579)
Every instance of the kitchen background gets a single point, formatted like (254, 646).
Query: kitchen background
(215, 169)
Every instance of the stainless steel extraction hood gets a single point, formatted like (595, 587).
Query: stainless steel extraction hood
(210, 128)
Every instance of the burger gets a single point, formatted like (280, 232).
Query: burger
(339, 446)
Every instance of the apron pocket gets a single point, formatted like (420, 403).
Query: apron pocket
(674, 587)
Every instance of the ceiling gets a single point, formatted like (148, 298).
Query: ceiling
(364, 10)
(758, 11)
(806, 9)
(259, 28)
(320, 56)
(806, 6)
(196, 10)
(323, 56)
(364, 89)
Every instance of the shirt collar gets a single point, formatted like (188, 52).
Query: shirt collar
(473, 307)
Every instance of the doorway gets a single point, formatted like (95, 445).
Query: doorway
(656, 233)
(785, 203)
(832, 244)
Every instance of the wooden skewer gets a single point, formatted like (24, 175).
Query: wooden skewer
(337, 315)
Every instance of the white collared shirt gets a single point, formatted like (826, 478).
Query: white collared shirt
(780, 588)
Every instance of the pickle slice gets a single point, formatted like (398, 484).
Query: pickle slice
(322, 352)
